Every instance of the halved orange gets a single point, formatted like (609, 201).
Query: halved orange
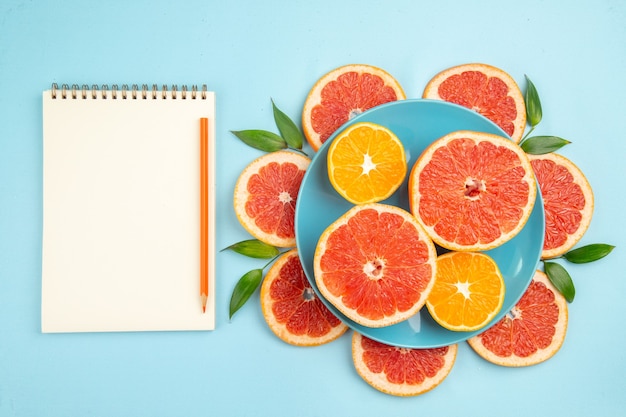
(265, 196)
(375, 264)
(401, 371)
(531, 333)
(468, 291)
(486, 89)
(291, 308)
(366, 163)
(567, 200)
(343, 93)
(472, 191)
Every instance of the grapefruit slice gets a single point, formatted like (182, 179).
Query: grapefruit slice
(531, 333)
(472, 191)
(486, 89)
(567, 200)
(468, 291)
(375, 264)
(401, 371)
(291, 308)
(343, 93)
(366, 163)
(265, 196)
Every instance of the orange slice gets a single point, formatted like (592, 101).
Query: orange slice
(531, 333)
(472, 191)
(375, 264)
(468, 291)
(486, 89)
(291, 308)
(567, 201)
(366, 163)
(401, 371)
(265, 196)
(343, 93)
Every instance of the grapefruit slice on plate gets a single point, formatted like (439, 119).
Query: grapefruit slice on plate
(401, 371)
(472, 191)
(342, 94)
(567, 199)
(531, 333)
(375, 264)
(291, 308)
(265, 196)
(486, 89)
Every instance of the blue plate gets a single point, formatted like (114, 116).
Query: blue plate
(417, 123)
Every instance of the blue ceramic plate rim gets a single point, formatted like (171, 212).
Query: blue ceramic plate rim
(416, 122)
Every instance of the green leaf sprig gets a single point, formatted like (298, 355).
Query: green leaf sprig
(537, 145)
(244, 288)
(589, 253)
(534, 113)
(287, 128)
(251, 280)
(254, 248)
(559, 276)
(289, 137)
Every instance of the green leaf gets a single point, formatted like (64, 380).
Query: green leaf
(538, 145)
(287, 128)
(588, 253)
(245, 287)
(533, 104)
(254, 248)
(261, 139)
(561, 279)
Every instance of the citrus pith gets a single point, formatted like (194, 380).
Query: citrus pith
(343, 93)
(486, 89)
(291, 308)
(567, 199)
(531, 333)
(401, 371)
(366, 163)
(472, 191)
(375, 264)
(265, 196)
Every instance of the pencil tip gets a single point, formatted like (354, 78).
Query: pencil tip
(203, 299)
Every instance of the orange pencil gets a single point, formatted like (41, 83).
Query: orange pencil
(204, 212)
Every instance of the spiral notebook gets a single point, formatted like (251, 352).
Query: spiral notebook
(122, 209)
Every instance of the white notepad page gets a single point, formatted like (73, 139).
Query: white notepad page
(121, 213)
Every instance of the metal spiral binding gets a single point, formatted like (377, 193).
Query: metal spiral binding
(115, 93)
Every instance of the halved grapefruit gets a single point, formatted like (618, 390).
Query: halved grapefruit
(472, 191)
(375, 264)
(401, 371)
(531, 333)
(342, 94)
(567, 200)
(265, 196)
(291, 308)
(486, 89)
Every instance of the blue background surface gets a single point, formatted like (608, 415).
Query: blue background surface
(249, 52)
